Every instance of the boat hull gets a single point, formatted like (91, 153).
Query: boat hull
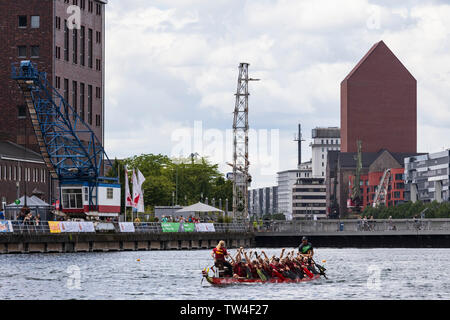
(228, 281)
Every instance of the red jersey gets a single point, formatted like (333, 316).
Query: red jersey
(220, 254)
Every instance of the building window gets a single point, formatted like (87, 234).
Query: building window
(66, 41)
(74, 98)
(91, 6)
(83, 4)
(66, 90)
(58, 52)
(58, 82)
(82, 98)
(90, 49)
(21, 112)
(22, 51)
(72, 198)
(35, 51)
(75, 46)
(23, 21)
(35, 22)
(98, 93)
(110, 193)
(98, 64)
(89, 105)
(83, 45)
(58, 23)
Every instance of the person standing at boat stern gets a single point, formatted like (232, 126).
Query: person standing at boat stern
(306, 248)
(219, 254)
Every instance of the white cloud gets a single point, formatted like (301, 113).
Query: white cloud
(170, 63)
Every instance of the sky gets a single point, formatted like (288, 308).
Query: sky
(172, 68)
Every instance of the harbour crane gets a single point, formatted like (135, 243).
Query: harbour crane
(382, 190)
(241, 177)
(70, 149)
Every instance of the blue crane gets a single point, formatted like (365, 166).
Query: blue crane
(70, 149)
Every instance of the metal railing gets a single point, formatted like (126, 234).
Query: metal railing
(356, 226)
(19, 227)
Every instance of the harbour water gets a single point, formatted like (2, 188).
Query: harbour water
(152, 275)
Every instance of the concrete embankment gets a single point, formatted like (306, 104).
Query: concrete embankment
(68, 243)
(374, 240)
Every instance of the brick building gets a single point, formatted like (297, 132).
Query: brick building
(22, 171)
(379, 104)
(70, 50)
(341, 167)
(370, 182)
(72, 56)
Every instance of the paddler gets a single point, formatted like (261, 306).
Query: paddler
(219, 254)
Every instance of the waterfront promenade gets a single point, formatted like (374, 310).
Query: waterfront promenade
(16, 237)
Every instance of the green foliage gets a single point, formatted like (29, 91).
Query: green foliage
(190, 181)
(410, 210)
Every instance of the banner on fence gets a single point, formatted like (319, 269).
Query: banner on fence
(188, 227)
(127, 227)
(54, 226)
(87, 227)
(205, 227)
(170, 226)
(76, 227)
(104, 226)
(6, 226)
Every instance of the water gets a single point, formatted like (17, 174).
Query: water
(353, 274)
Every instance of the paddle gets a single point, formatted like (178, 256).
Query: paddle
(321, 269)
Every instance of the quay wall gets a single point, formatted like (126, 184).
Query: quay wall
(71, 243)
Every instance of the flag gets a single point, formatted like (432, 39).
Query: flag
(128, 199)
(141, 179)
(136, 192)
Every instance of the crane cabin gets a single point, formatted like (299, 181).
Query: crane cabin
(79, 199)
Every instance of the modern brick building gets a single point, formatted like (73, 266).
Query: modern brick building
(72, 55)
(379, 104)
(370, 182)
(66, 40)
(341, 168)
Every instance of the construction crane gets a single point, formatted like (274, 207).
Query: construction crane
(241, 177)
(381, 194)
(70, 149)
(355, 200)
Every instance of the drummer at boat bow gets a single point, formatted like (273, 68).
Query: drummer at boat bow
(219, 254)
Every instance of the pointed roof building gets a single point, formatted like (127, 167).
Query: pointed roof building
(379, 104)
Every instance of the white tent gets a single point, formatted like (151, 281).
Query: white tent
(31, 202)
(199, 207)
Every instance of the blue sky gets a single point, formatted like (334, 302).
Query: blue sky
(170, 64)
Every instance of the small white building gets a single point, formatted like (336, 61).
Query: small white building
(286, 180)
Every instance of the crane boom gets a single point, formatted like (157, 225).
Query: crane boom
(72, 152)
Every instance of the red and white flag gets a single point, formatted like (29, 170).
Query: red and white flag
(141, 179)
(128, 199)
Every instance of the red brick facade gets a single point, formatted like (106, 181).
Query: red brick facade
(379, 104)
(371, 181)
(50, 37)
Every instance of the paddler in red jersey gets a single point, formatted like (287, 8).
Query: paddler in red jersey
(219, 254)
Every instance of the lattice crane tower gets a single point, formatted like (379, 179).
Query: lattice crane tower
(241, 176)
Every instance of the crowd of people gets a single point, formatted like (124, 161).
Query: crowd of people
(181, 219)
(254, 265)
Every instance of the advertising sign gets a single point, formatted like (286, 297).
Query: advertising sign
(127, 227)
(205, 227)
(6, 226)
(170, 226)
(54, 226)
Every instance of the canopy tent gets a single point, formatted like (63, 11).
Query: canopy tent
(36, 206)
(31, 202)
(199, 207)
